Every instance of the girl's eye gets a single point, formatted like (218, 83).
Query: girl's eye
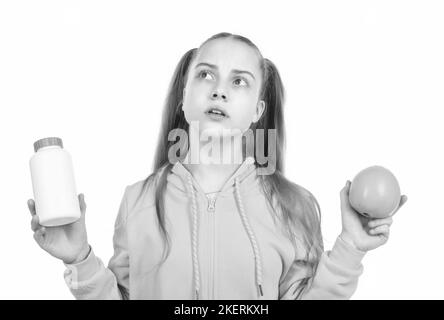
(240, 82)
(205, 72)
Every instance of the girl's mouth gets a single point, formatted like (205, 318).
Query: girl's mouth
(216, 113)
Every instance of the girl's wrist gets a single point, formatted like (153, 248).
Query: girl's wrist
(348, 239)
(84, 253)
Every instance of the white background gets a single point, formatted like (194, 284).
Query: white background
(364, 83)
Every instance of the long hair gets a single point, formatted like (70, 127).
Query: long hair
(294, 206)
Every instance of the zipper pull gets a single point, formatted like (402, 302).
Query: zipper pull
(211, 203)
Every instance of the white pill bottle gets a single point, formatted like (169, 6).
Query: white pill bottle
(53, 183)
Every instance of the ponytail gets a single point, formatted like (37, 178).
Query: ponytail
(172, 118)
(296, 208)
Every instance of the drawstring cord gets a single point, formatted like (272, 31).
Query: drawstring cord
(254, 244)
(194, 237)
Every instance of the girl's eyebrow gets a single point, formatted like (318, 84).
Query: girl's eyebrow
(236, 71)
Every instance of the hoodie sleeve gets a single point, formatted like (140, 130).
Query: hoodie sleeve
(336, 275)
(90, 279)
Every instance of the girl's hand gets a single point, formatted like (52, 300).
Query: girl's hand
(364, 233)
(68, 242)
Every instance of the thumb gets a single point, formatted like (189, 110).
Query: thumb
(82, 203)
(344, 195)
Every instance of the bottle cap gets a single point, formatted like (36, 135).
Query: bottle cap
(45, 142)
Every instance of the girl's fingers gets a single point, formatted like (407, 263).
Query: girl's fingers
(35, 223)
(345, 204)
(401, 203)
(82, 203)
(380, 229)
(39, 236)
(377, 222)
(403, 200)
(31, 206)
(384, 237)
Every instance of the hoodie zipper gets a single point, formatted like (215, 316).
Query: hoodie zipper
(211, 203)
(211, 220)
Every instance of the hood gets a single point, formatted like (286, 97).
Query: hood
(182, 179)
(245, 174)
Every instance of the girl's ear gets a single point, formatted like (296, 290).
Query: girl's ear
(260, 108)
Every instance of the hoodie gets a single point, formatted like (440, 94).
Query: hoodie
(224, 245)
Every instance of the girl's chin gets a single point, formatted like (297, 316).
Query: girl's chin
(212, 129)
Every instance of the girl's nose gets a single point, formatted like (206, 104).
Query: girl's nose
(216, 94)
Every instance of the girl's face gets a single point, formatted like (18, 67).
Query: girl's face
(224, 75)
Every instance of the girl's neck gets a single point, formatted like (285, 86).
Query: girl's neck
(212, 170)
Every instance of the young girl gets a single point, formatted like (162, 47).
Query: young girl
(212, 230)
